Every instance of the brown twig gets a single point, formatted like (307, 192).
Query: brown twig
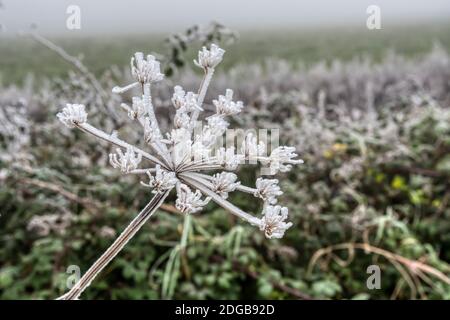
(414, 268)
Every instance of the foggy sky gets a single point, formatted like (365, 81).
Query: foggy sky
(139, 16)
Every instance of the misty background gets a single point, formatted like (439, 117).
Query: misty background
(135, 16)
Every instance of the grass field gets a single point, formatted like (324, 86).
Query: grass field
(307, 46)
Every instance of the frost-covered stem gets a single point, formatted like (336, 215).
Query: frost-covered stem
(148, 105)
(86, 127)
(239, 187)
(147, 100)
(200, 185)
(142, 171)
(116, 247)
(201, 94)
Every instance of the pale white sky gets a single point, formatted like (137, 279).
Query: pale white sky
(130, 16)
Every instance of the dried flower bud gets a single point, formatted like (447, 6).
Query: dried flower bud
(250, 147)
(225, 106)
(125, 161)
(72, 115)
(281, 159)
(145, 71)
(190, 202)
(228, 159)
(162, 181)
(181, 119)
(272, 223)
(209, 58)
(268, 190)
(151, 134)
(137, 110)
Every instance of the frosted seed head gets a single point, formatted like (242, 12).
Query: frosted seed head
(268, 190)
(162, 180)
(224, 183)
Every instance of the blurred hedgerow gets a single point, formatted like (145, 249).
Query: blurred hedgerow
(375, 190)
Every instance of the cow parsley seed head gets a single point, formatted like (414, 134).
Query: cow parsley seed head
(127, 161)
(273, 221)
(72, 115)
(225, 106)
(209, 58)
(145, 70)
(223, 183)
(268, 190)
(162, 180)
(190, 202)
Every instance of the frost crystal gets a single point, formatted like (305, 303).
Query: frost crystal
(72, 115)
(228, 159)
(281, 159)
(145, 71)
(209, 58)
(268, 190)
(251, 148)
(162, 181)
(190, 202)
(224, 182)
(225, 106)
(185, 160)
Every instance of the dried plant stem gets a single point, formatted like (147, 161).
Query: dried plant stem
(116, 247)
